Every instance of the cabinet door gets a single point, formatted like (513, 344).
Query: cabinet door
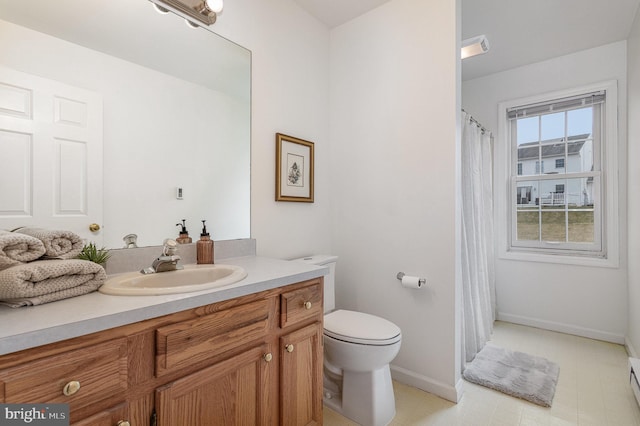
(231, 392)
(301, 376)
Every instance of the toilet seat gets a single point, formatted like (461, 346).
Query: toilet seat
(360, 328)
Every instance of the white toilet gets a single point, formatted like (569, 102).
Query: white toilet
(358, 348)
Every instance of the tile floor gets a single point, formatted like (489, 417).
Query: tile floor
(593, 389)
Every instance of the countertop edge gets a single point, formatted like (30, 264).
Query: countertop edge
(116, 311)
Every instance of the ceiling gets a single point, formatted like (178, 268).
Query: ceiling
(519, 32)
(337, 12)
(524, 32)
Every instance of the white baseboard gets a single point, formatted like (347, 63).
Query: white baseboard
(563, 328)
(427, 384)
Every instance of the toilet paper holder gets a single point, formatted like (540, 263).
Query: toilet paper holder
(400, 275)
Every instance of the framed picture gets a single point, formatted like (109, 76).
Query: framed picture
(294, 169)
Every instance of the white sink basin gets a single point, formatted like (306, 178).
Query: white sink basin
(191, 278)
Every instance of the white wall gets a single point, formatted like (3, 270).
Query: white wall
(290, 95)
(633, 73)
(394, 105)
(588, 301)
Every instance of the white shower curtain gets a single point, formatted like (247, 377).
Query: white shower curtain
(478, 286)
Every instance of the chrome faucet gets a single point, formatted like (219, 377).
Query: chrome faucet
(168, 261)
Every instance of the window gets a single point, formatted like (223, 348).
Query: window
(566, 206)
(571, 130)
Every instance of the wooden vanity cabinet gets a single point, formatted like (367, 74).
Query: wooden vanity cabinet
(253, 360)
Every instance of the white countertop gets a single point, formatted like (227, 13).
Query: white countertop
(24, 328)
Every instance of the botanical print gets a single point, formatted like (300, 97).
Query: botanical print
(295, 170)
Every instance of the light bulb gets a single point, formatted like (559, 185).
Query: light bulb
(215, 5)
(191, 24)
(160, 9)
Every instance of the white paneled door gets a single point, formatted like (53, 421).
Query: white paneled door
(50, 155)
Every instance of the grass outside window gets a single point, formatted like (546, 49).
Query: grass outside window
(553, 224)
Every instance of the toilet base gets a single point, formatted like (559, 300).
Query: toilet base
(366, 398)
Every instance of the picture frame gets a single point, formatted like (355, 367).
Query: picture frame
(294, 169)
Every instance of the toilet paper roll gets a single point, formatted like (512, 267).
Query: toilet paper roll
(412, 282)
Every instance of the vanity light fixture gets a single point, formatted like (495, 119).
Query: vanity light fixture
(196, 12)
(474, 46)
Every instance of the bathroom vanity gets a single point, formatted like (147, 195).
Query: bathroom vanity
(247, 354)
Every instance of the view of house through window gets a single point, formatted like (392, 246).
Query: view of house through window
(556, 174)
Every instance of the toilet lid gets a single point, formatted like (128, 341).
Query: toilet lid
(358, 327)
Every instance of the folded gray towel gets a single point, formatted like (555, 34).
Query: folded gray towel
(45, 281)
(59, 244)
(16, 249)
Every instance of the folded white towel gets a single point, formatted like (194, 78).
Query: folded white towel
(18, 248)
(59, 244)
(45, 281)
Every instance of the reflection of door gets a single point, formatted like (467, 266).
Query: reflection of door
(50, 155)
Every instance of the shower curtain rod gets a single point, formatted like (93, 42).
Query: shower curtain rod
(477, 123)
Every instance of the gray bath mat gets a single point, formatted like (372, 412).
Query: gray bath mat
(514, 373)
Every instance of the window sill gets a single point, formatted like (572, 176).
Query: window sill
(564, 259)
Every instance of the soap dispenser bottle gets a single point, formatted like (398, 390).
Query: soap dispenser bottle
(184, 237)
(204, 246)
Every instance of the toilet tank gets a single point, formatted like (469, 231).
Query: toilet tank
(329, 280)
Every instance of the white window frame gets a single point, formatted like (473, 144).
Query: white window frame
(504, 187)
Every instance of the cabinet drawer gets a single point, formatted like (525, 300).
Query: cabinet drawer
(189, 342)
(100, 371)
(109, 417)
(301, 304)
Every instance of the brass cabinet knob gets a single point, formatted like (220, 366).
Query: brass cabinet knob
(94, 227)
(307, 305)
(289, 348)
(123, 423)
(71, 388)
(267, 357)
